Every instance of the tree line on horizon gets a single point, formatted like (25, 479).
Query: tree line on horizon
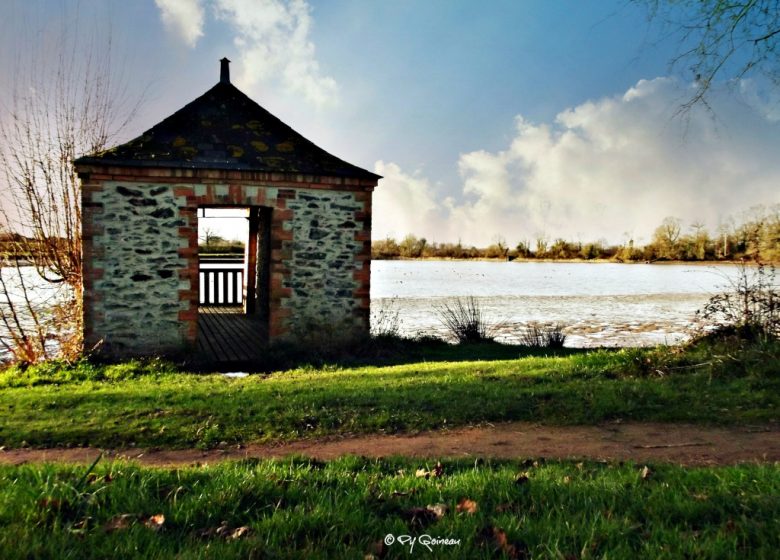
(755, 237)
(212, 243)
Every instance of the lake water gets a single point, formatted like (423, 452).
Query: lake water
(42, 296)
(601, 304)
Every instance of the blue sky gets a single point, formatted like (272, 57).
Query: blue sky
(488, 119)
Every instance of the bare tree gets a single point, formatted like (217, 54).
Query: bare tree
(210, 237)
(700, 240)
(66, 100)
(665, 237)
(720, 39)
(541, 244)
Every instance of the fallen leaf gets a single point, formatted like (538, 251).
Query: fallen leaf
(211, 532)
(500, 538)
(467, 506)
(439, 510)
(238, 533)
(120, 522)
(422, 473)
(222, 530)
(419, 517)
(521, 478)
(501, 508)
(206, 533)
(646, 473)
(566, 479)
(438, 470)
(497, 539)
(155, 522)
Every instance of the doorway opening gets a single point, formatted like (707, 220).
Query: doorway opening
(234, 253)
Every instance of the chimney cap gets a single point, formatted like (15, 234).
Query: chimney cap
(224, 70)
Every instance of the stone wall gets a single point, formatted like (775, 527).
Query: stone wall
(323, 256)
(140, 253)
(136, 265)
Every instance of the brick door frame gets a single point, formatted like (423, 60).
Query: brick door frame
(259, 218)
(236, 197)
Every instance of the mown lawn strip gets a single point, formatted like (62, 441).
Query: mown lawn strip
(162, 408)
(298, 508)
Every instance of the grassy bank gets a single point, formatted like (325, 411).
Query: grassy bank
(345, 509)
(152, 404)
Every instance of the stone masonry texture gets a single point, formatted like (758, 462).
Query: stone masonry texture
(141, 266)
(322, 258)
(138, 254)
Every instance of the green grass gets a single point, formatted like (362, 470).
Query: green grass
(298, 508)
(151, 404)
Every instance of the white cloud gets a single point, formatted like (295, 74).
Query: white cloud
(602, 169)
(766, 100)
(183, 18)
(272, 38)
(392, 202)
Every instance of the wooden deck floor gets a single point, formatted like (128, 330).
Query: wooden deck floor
(225, 335)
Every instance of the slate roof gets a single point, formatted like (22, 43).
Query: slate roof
(225, 129)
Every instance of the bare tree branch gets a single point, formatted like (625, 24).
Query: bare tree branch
(720, 41)
(67, 99)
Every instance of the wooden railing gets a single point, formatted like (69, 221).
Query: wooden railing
(221, 286)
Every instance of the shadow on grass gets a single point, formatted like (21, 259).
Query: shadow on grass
(182, 410)
(154, 404)
(378, 351)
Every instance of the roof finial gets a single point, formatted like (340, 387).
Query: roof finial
(224, 71)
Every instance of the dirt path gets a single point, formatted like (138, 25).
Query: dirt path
(674, 443)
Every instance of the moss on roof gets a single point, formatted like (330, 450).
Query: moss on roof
(225, 129)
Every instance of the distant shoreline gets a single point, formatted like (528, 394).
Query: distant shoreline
(578, 261)
(26, 263)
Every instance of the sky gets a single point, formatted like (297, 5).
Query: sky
(489, 121)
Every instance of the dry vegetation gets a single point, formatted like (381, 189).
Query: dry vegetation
(67, 100)
(756, 237)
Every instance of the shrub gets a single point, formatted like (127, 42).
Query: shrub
(411, 247)
(543, 336)
(385, 321)
(749, 310)
(465, 321)
(385, 249)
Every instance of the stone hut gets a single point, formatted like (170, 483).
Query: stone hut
(308, 257)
